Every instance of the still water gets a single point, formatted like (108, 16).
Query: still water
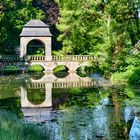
(67, 107)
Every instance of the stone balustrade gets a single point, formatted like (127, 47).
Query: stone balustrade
(72, 58)
(34, 58)
(36, 85)
(16, 58)
(62, 85)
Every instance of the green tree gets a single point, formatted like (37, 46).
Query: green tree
(79, 23)
(13, 15)
(102, 28)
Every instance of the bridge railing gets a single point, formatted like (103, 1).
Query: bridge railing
(9, 58)
(72, 58)
(62, 85)
(12, 58)
(73, 85)
(34, 58)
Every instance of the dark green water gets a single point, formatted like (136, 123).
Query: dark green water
(66, 109)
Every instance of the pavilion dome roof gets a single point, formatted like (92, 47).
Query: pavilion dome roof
(35, 28)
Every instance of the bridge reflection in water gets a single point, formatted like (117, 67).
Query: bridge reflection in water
(96, 121)
(47, 83)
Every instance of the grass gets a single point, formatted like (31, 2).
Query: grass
(13, 128)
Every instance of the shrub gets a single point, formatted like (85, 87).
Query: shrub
(135, 77)
(35, 68)
(131, 75)
(11, 70)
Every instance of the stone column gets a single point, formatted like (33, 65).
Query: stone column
(22, 47)
(48, 92)
(48, 48)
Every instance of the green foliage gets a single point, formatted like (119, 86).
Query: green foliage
(79, 25)
(40, 52)
(131, 75)
(60, 68)
(135, 77)
(103, 29)
(13, 15)
(94, 26)
(35, 68)
(134, 102)
(11, 70)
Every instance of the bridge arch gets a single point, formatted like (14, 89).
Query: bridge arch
(26, 103)
(61, 68)
(83, 64)
(34, 66)
(36, 96)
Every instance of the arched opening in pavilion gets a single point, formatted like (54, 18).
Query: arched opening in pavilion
(36, 47)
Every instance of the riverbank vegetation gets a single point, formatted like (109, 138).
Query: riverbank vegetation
(10, 70)
(107, 30)
(11, 127)
(107, 33)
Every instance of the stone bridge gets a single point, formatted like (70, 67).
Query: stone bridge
(72, 62)
(36, 36)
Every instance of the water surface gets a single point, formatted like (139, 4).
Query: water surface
(67, 108)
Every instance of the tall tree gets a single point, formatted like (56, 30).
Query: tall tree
(99, 27)
(79, 24)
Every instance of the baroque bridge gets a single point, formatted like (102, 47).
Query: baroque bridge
(36, 37)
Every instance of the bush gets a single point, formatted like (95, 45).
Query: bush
(135, 77)
(131, 75)
(60, 68)
(11, 70)
(35, 68)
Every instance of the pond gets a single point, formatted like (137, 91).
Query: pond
(44, 107)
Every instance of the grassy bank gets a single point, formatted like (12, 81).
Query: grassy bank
(12, 128)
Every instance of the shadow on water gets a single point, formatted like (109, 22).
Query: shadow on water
(69, 108)
(61, 74)
(36, 76)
